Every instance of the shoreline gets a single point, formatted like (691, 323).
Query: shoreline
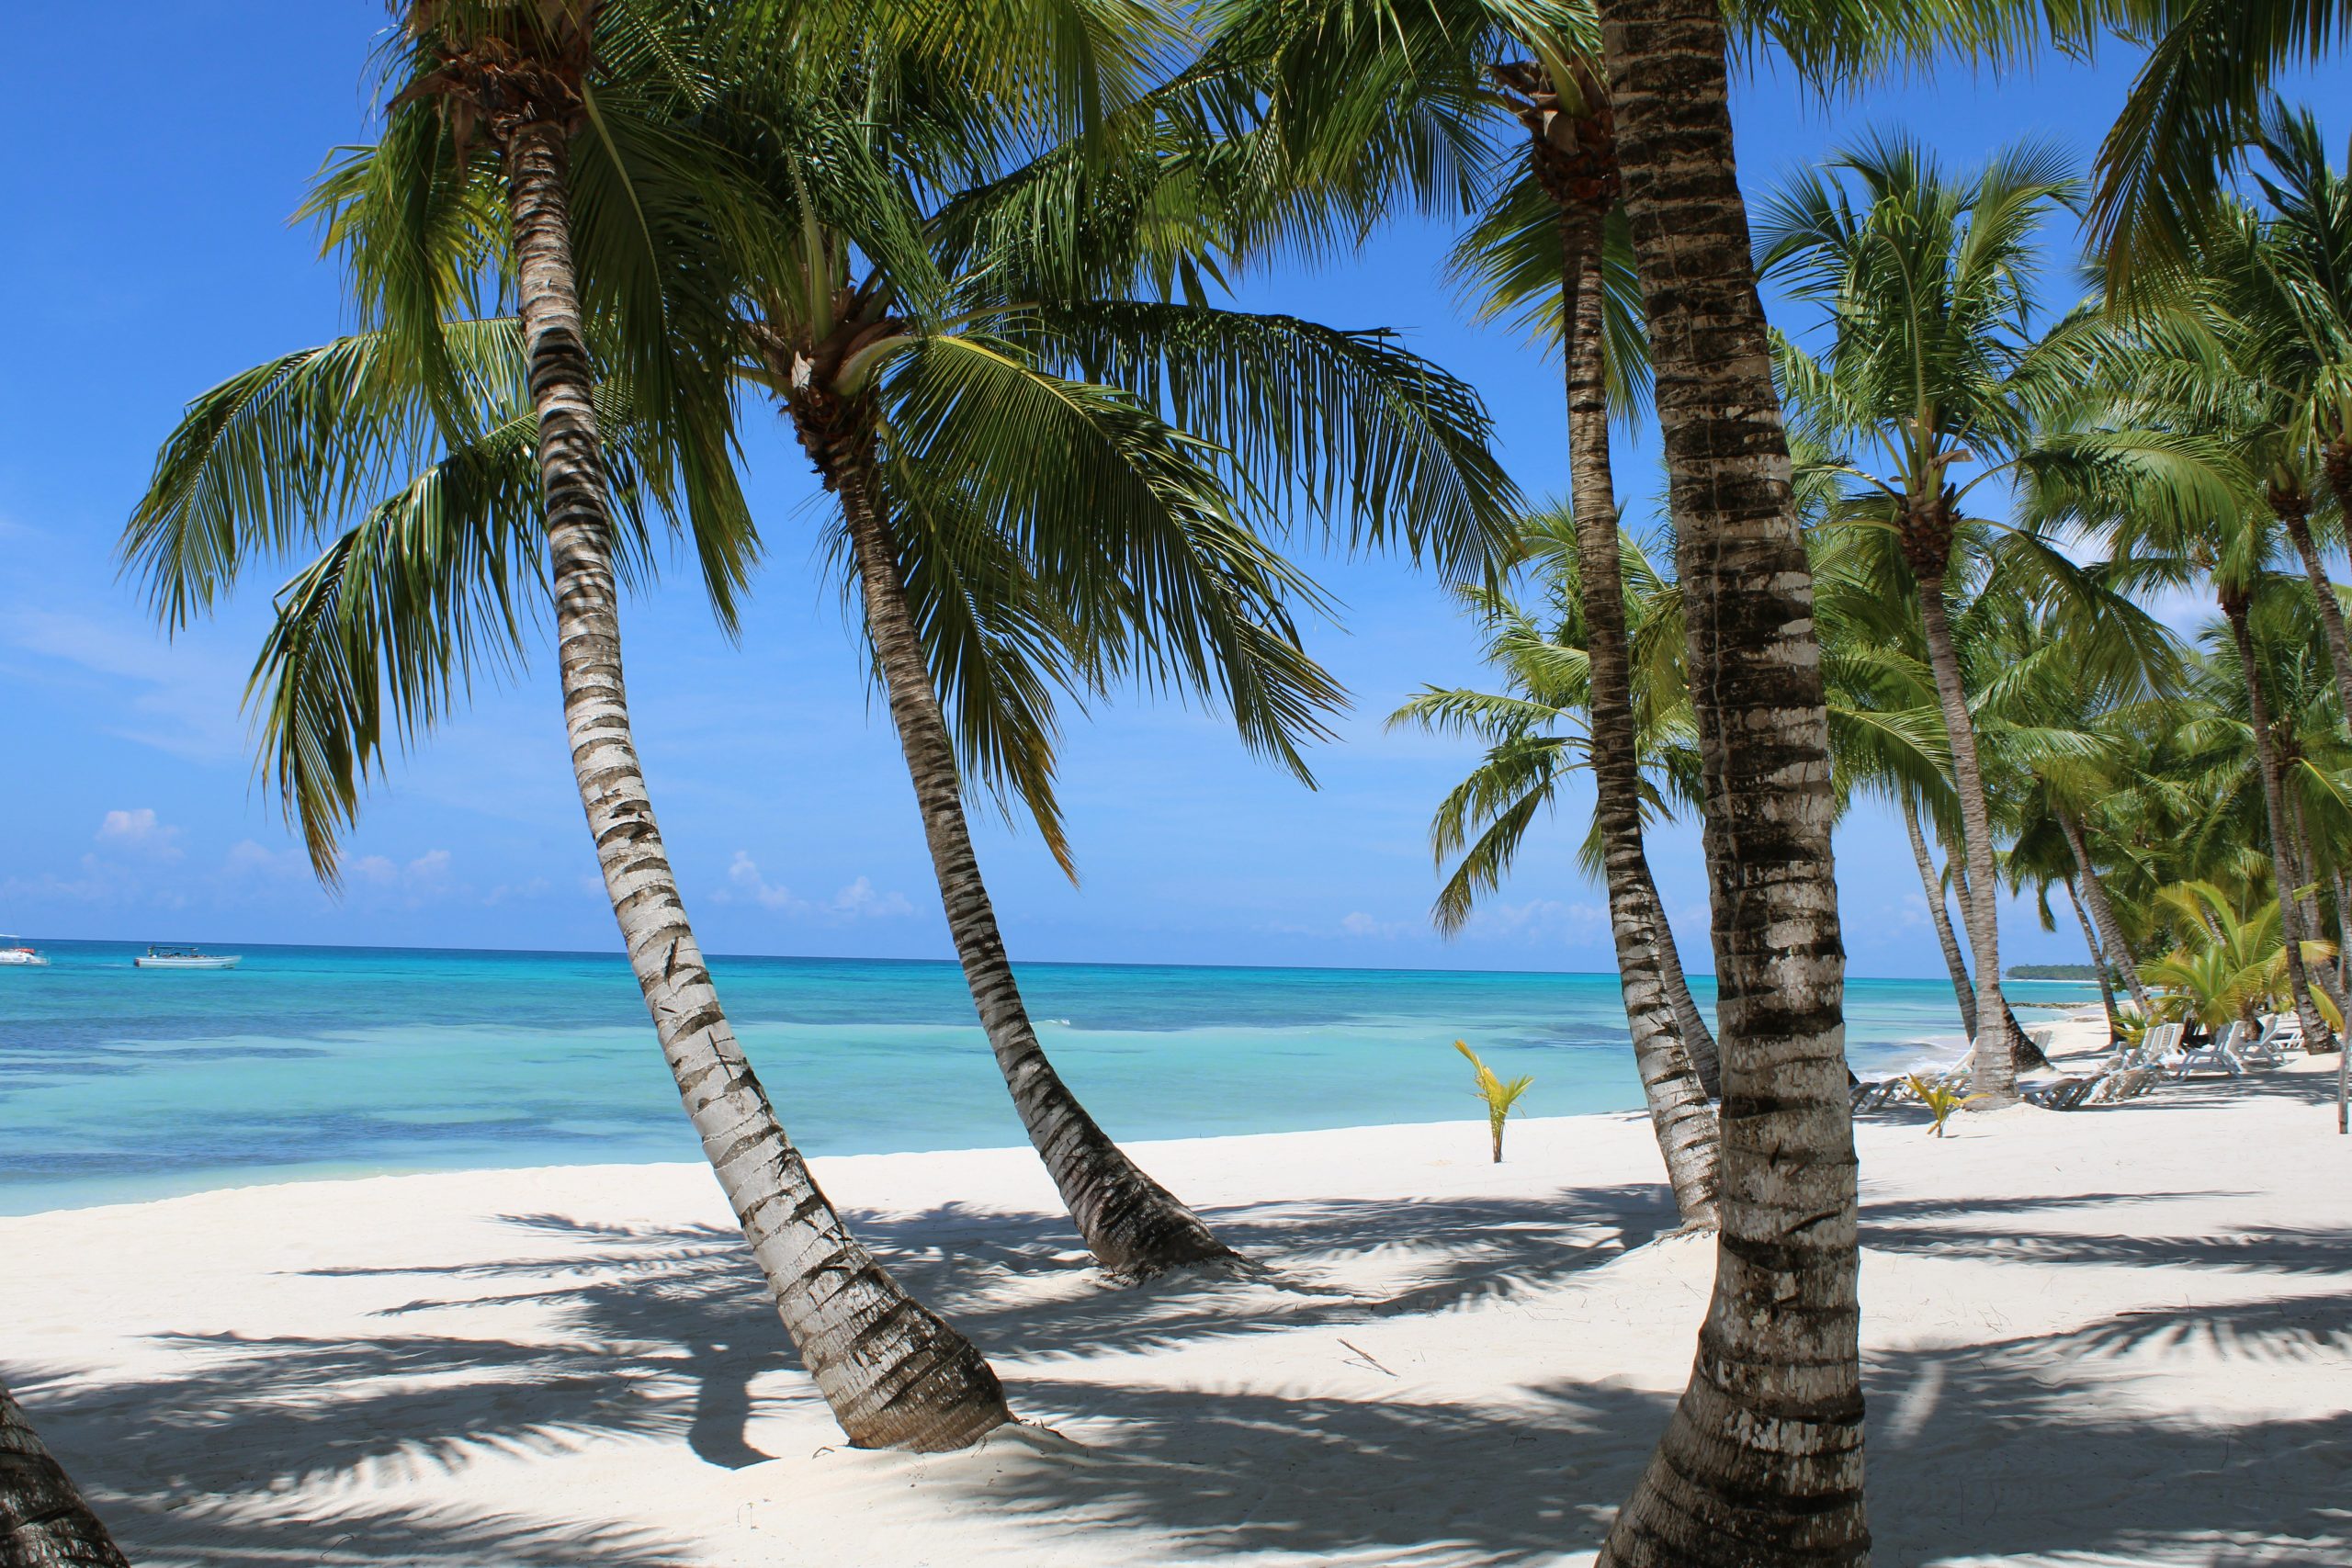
(1934, 1056)
(1445, 1363)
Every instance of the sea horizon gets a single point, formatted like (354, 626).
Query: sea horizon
(119, 1084)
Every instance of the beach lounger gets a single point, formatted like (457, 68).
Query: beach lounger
(2268, 1047)
(2064, 1094)
(2214, 1053)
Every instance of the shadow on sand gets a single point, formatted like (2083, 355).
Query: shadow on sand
(659, 1336)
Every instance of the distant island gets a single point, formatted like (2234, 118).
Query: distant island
(2052, 972)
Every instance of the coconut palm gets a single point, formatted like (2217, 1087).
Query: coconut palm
(2275, 288)
(44, 1522)
(934, 385)
(2185, 127)
(1546, 244)
(1747, 1465)
(2231, 964)
(1932, 365)
(1539, 730)
(536, 146)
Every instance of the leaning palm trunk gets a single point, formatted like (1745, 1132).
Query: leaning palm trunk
(2294, 511)
(1995, 1075)
(894, 1374)
(44, 1523)
(2233, 608)
(2110, 930)
(1686, 1125)
(1134, 1226)
(1698, 1040)
(1761, 1463)
(1931, 883)
(2099, 965)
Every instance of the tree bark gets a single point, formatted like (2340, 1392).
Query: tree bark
(1698, 1040)
(2294, 511)
(1135, 1227)
(2099, 963)
(1995, 1079)
(894, 1374)
(1931, 883)
(1761, 1462)
(2233, 607)
(2110, 930)
(1687, 1129)
(44, 1523)
(2342, 931)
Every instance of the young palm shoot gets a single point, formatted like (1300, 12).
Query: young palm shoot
(1501, 1096)
(1941, 1099)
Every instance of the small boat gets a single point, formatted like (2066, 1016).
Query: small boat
(176, 957)
(16, 950)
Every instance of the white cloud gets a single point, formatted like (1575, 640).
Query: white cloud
(1358, 923)
(744, 875)
(858, 901)
(138, 831)
(1539, 919)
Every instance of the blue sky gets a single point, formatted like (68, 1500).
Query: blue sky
(149, 255)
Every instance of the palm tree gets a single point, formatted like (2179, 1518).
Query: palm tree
(484, 168)
(44, 1523)
(1538, 730)
(933, 383)
(2278, 289)
(1928, 280)
(2184, 128)
(1761, 1461)
(1547, 243)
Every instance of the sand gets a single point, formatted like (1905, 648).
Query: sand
(2121, 1334)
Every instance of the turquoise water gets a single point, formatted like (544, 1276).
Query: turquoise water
(121, 1084)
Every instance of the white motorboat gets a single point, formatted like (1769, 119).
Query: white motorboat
(161, 957)
(16, 950)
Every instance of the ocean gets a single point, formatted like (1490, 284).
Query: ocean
(119, 1084)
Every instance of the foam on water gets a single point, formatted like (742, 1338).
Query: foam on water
(119, 1084)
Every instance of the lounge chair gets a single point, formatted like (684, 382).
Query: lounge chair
(2064, 1094)
(2215, 1053)
(2268, 1047)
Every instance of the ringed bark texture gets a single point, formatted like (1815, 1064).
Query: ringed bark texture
(1135, 1227)
(2294, 511)
(1686, 1125)
(2111, 940)
(44, 1523)
(2099, 964)
(1761, 1463)
(1931, 883)
(1995, 1079)
(2290, 923)
(894, 1374)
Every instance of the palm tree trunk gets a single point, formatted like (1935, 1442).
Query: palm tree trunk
(2233, 607)
(1995, 1076)
(895, 1375)
(1931, 883)
(1134, 1226)
(2023, 1051)
(2306, 864)
(1698, 1040)
(2294, 511)
(1761, 1462)
(44, 1523)
(2343, 934)
(2110, 930)
(1686, 1125)
(2099, 963)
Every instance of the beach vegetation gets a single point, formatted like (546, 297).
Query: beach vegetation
(1499, 1095)
(1941, 1098)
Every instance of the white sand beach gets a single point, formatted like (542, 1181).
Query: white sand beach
(2120, 1335)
